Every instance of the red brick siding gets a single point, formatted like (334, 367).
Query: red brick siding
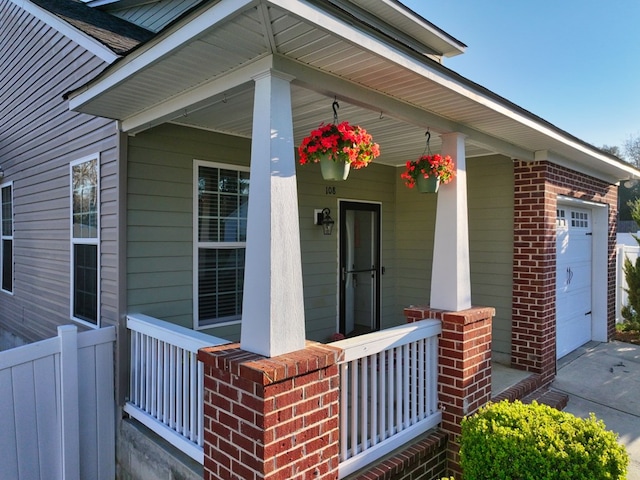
(537, 185)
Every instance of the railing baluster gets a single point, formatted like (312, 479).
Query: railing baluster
(165, 382)
(382, 385)
(397, 353)
(200, 395)
(405, 386)
(364, 394)
(373, 400)
(413, 389)
(193, 395)
(422, 386)
(173, 386)
(433, 375)
(344, 410)
(147, 369)
(185, 393)
(354, 408)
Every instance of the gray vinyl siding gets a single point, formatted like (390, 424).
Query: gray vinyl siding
(154, 16)
(490, 206)
(160, 232)
(39, 138)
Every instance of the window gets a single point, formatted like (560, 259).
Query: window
(221, 194)
(6, 194)
(85, 233)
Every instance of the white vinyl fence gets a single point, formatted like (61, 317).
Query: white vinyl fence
(388, 391)
(57, 408)
(622, 252)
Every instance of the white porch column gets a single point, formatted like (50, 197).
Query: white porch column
(450, 277)
(273, 307)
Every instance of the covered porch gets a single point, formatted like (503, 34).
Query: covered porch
(254, 78)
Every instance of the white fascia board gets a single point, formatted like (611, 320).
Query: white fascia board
(195, 98)
(150, 53)
(85, 41)
(378, 47)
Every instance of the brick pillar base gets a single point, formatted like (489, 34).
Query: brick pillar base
(464, 367)
(271, 418)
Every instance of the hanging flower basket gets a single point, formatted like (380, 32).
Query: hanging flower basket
(429, 169)
(343, 144)
(335, 171)
(427, 184)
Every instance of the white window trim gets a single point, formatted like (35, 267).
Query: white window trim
(13, 244)
(197, 244)
(84, 241)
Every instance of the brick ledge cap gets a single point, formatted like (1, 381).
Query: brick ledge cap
(268, 370)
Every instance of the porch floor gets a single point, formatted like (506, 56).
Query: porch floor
(504, 377)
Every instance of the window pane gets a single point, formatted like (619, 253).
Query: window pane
(7, 212)
(220, 283)
(223, 195)
(7, 265)
(222, 205)
(85, 199)
(85, 288)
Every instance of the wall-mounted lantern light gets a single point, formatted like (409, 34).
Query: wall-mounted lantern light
(323, 218)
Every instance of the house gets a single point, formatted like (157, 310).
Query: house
(131, 132)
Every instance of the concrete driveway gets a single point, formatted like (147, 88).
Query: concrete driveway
(604, 378)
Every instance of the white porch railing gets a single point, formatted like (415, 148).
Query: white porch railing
(166, 385)
(389, 391)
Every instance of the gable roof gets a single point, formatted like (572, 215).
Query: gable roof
(115, 33)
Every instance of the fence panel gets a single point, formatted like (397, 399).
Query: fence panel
(622, 252)
(45, 432)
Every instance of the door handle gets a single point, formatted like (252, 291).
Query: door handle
(569, 275)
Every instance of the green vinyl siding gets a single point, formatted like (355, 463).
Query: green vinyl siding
(490, 197)
(160, 220)
(160, 232)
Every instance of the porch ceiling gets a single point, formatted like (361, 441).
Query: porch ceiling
(195, 73)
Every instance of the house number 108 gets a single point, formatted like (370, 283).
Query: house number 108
(330, 190)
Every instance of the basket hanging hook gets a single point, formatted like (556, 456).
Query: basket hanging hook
(427, 148)
(335, 105)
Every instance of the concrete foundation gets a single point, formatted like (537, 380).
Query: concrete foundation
(143, 455)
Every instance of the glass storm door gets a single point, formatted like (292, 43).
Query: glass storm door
(359, 268)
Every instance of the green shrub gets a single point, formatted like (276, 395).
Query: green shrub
(535, 442)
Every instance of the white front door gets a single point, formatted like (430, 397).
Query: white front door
(573, 279)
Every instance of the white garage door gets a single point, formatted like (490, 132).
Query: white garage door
(573, 279)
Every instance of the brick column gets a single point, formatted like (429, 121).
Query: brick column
(271, 418)
(533, 329)
(464, 367)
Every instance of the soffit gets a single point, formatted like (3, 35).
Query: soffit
(406, 77)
